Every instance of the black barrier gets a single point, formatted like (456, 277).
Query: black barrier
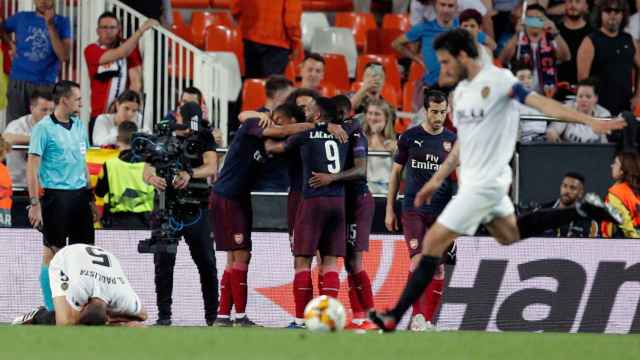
(542, 166)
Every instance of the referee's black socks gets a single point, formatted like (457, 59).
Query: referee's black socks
(539, 221)
(418, 282)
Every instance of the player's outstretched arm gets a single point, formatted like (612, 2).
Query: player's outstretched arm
(358, 171)
(274, 146)
(390, 219)
(445, 170)
(563, 113)
(286, 130)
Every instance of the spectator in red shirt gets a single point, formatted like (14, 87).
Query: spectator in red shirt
(271, 34)
(113, 63)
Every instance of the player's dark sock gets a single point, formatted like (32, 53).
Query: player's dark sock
(416, 306)
(537, 222)
(432, 298)
(239, 287)
(330, 284)
(46, 287)
(45, 317)
(420, 278)
(365, 292)
(226, 297)
(354, 299)
(302, 292)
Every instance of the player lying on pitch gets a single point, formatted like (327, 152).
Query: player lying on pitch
(89, 288)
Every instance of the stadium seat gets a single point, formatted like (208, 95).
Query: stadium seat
(407, 96)
(193, 4)
(327, 5)
(309, 22)
(379, 41)
(359, 23)
(183, 31)
(220, 4)
(254, 94)
(389, 94)
(201, 20)
(336, 71)
(416, 71)
(336, 41)
(220, 38)
(396, 22)
(390, 64)
(178, 19)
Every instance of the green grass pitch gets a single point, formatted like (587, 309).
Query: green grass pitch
(49, 343)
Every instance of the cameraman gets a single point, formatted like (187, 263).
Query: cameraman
(198, 235)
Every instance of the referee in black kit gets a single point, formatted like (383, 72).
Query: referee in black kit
(57, 165)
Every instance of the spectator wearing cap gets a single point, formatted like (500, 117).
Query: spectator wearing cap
(572, 190)
(271, 34)
(43, 43)
(128, 199)
(609, 55)
(538, 44)
(586, 102)
(19, 133)
(126, 108)
(573, 28)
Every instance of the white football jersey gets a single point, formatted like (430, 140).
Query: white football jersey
(487, 121)
(81, 272)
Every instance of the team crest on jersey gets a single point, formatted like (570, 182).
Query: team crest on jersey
(446, 145)
(485, 92)
(64, 286)
(413, 244)
(239, 238)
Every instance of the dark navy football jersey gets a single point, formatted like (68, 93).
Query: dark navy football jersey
(421, 154)
(243, 162)
(295, 171)
(358, 148)
(321, 152)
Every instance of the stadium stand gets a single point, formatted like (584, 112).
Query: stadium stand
(309, 22)
(359, 23)
(254, 94)
(337, 41)
(336, 72)
(221, 38)
(390, 65)
(396, 22)
(202, 20)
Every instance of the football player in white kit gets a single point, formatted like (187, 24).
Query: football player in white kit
(486, 116)
(88, 288)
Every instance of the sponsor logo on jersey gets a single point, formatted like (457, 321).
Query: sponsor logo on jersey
(413, 243)
(446, 145)
(238, 238)
(64, 286)
(485, 92)
(431, 163)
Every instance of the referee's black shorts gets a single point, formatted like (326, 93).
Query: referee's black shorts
(66, 214)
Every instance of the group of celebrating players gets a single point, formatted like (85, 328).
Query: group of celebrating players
(330, 208)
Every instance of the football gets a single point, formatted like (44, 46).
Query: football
(324, 313)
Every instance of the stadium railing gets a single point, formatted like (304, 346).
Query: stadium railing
(169, 63)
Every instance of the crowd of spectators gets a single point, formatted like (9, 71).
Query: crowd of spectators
(583, 53)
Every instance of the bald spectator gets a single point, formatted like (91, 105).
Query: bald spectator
(43, 43)
(271, 34)
(573, 29)
(609, 54)
(19, 133)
